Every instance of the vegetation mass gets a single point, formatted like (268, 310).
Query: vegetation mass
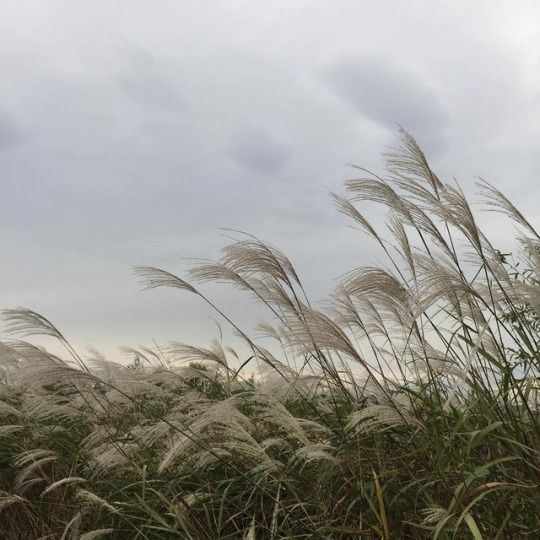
(407, 408)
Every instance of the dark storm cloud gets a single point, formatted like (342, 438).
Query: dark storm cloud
(390, 96)
(259, 151)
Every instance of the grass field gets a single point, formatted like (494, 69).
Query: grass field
(408, 408)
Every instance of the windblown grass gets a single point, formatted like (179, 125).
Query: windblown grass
(407, 409)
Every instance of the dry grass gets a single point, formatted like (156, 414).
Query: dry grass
(408, 409)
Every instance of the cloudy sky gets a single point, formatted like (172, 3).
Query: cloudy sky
(131, 131)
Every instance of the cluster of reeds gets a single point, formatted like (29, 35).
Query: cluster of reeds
(407, 408)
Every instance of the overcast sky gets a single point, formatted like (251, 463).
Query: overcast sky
(131, 131)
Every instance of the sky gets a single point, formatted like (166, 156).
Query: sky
(132, 132)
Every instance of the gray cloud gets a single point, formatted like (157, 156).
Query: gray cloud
(150, 82)
(9, 134)
(259, 151)
(130, 134)
(390, 96)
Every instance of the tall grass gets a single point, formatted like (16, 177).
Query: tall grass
(409, 408)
